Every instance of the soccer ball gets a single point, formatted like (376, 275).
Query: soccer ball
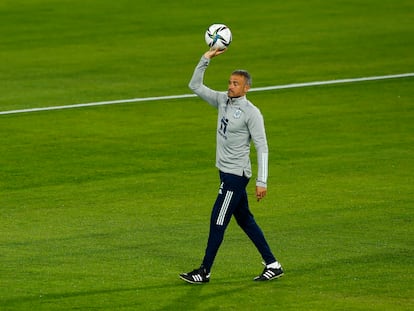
(218, 36)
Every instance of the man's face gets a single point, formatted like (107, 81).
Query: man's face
(237, 86)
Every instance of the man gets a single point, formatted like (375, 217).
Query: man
(239, 122)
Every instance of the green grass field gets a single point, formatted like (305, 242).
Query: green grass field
(102, 207)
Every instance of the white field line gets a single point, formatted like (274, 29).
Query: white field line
(267, 88)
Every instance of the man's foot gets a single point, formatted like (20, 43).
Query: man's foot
(197, 276)
(269, 274)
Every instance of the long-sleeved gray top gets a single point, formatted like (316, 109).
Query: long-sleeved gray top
(238, 122)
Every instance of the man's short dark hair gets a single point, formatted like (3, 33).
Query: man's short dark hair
(245, 74)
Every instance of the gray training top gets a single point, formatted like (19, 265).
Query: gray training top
(238, 122)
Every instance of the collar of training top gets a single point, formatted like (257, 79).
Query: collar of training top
(236, 100)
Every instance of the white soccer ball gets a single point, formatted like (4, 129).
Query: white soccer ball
(218, 36)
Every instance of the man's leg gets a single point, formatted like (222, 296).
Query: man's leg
(246, 221)
(230, 193)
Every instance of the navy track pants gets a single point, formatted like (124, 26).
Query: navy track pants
(232, 200)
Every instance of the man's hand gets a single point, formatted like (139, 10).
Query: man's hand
(213, 53)
(260, 193)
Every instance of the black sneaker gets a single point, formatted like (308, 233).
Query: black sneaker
(269, 274)
(197, 276)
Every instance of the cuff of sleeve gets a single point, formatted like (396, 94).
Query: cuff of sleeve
(261, 184)
(205, 59)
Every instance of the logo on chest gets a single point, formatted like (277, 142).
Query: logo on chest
(226, 122)
(237, 114)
